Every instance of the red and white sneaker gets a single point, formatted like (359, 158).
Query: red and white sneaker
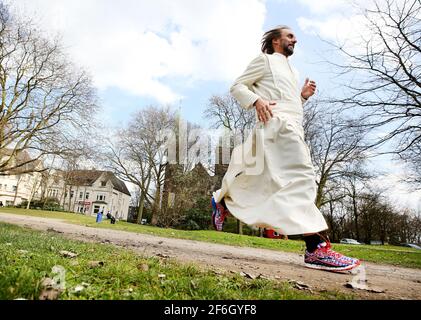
(324, 258)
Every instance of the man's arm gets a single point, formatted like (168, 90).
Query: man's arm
(241, 89)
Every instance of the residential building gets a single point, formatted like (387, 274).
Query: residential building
(90, 191)
(22, 181)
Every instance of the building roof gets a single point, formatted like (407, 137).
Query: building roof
(88, 178)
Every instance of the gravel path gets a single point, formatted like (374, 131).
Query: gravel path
(376, 281)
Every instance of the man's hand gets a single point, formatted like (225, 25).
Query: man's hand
(264, 109)
(309, 89)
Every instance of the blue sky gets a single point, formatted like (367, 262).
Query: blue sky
(180, 52)
(195, 95)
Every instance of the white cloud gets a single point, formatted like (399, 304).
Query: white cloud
(342, 20)
(324, 6)
(335, 27)
(133, 45)
(351, 27)
(398, 192)
(391, 178)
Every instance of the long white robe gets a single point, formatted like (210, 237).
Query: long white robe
(270, 181)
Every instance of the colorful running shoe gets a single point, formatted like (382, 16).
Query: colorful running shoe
(219, 214)
(324, 258)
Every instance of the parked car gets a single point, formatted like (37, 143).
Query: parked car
(349, 241)
(411, 245)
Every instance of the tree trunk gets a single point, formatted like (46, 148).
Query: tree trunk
(154, 217)
(140, 209)
(143, 198)
(76, 196)
(332, 222)
(34, 188)
(70, 198)
(319, 196)
(46, 182)
(84, 200)
(239, 227)
(62, 196)
(355, 208)
(16, 191)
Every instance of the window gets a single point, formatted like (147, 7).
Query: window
(86, 195)
(103, 183)
(15, 188)
(96, 209)
(72, 194)
(81, 195)
(100, 197)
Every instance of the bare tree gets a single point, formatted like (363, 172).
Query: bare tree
(382, 77)
(138, 155)
(46, 102)
(335, 212)
(225, 112)
(354, 185)
(413, 160)
(336, 146)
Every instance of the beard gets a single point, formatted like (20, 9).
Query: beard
(289, 50)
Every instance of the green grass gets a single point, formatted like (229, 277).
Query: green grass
(393, 255)
(27, 257)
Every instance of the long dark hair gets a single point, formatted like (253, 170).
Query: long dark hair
(267, 46)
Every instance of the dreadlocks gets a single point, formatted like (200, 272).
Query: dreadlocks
(267, 46)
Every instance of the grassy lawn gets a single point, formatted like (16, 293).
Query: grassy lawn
(399, 256)
(27, 257)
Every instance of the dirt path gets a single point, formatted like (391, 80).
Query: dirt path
(382, 281)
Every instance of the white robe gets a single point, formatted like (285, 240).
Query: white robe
(270, 181)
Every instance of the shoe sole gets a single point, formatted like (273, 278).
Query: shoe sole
(333, 269)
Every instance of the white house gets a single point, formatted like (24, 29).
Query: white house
(17, 186)
(90, 191)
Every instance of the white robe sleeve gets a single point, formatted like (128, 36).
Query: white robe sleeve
(297, 75)
(242, 87)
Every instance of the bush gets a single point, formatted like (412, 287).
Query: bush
(50, 204)
(230, 226)
(199, 217)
